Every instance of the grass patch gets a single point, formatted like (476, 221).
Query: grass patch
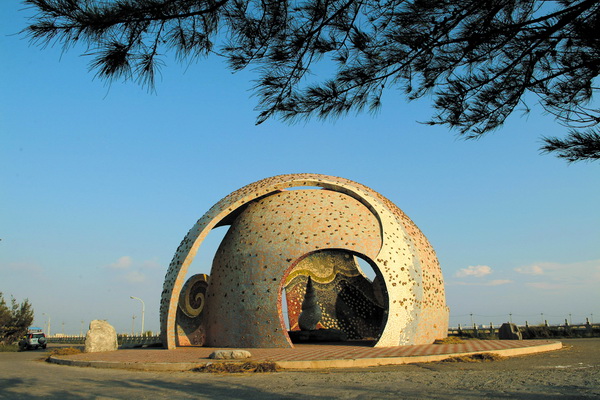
(233, 367)
(65, 351)
(449, 340)
(479, 357)
(8, 348)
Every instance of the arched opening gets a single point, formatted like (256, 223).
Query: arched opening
(202, 263)
(189, 320)
(348, 291)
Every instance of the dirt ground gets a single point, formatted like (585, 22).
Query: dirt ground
(570, 373)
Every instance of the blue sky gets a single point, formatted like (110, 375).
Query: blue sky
(99, 183)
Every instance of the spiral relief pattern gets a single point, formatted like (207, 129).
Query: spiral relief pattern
(193, 295)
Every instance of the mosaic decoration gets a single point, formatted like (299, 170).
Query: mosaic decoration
(311, 313)
(278, 238)
(346, 296)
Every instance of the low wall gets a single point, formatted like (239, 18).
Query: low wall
(528, 331)
(123, 340)
(531, 331)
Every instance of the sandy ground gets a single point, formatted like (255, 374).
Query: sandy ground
(570, 373)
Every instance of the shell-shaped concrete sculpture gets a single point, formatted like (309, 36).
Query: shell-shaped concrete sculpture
(277, 234)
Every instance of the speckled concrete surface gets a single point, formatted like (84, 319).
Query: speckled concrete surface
(331, 218)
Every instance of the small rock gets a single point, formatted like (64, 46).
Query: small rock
(230, 355)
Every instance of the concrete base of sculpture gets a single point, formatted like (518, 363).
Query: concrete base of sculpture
(101, 337)
(318, 335)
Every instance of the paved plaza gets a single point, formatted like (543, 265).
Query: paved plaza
(307, 356)
(570, 373)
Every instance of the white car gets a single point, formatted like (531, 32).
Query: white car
(33, 340)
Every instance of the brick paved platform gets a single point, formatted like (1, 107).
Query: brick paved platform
(306, 356)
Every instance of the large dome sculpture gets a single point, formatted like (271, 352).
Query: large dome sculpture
(281, 239)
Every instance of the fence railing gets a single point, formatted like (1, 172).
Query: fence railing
(542, 330)
(122, 340)
(581, 330)
(133, 341)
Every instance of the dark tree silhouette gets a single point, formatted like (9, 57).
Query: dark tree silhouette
(14, 319)
(480, 60)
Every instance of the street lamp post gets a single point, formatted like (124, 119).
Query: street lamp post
(48, 330)
(143, 310)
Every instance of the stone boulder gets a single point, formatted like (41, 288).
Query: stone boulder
(101, 337)
(509, 332)
(230, 354)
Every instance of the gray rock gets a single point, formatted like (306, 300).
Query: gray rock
(230, 355)
(101, 337)
(509, 332)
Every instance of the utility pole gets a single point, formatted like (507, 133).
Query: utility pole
(48, 330)
(132, 325)
(143, 310)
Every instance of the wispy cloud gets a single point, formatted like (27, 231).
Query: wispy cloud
(131, 271)
(544, 285)
(25, 267)
(151, 264)
(478, 271)
(498, 282)
(495, 282)
(134, 277)
(530, 270)
(554, 276)
(122, 263)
